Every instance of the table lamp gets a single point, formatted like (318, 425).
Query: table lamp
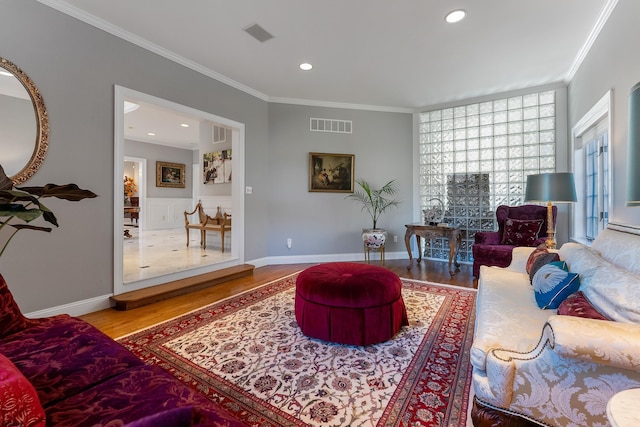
(556, 187)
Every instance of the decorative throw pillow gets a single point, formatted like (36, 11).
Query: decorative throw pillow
(552, 284)
(543, 259)
(519, 232)
(578, 305)
(538, 252)
(19, 403)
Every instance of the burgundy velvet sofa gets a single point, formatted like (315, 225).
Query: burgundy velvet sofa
(61, 371)
(489, 247)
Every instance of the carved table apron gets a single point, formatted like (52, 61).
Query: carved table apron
(452, 234)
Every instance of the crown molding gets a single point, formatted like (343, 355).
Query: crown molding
(602, 19)
(329, 104)
(103, 25)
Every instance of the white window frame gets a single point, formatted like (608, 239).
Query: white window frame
(601, 110)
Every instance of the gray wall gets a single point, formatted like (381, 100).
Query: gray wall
(612, 63)
(154, 153)
(75, 66)
(326, 223)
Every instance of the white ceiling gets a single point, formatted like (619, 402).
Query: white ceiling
(165, 124)
(399, 54)
(373, 54)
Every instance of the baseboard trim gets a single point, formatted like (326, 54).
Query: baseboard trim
(103, 302)
(77, 308)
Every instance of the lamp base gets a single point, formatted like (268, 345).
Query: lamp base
(550, 242)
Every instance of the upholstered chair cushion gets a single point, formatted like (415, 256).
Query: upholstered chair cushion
(521, 232)
(491, 248)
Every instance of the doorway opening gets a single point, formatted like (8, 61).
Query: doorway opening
(155, 250)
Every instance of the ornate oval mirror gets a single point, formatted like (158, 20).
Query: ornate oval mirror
(24, 125)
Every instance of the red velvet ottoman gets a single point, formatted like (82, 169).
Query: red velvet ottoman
(349, 303)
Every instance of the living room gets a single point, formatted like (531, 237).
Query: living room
(76, 66)
(68, 61)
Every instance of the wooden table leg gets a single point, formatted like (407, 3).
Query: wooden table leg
(407, 243)
(454, 249)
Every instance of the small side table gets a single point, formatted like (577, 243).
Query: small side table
(367, 253)
(623, 409)
(452, 234)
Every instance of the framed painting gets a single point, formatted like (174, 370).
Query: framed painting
(331, 173)
(170, 175)
(216, 167)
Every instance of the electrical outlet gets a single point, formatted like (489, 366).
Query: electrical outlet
(248, 190)
(395, 239)
(289, 242)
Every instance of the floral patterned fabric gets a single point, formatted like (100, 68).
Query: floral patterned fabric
(578, 305)
(521, 232)
(561, 370)
(249, 353)
(81, 377)
(11, 319)
(19, 404)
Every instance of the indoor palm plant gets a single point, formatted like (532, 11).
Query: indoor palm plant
(21, 205)
(375, 202)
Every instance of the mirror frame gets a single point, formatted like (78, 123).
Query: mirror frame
(42, 123)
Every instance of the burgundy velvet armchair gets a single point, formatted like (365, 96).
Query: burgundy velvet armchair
(524, 225)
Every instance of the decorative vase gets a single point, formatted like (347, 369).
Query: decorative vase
(374, 238)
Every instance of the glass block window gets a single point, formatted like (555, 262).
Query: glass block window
(476, 157)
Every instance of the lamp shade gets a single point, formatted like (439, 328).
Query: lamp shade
(551, 187)
(633, 149)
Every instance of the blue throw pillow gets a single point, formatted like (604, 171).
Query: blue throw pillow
(552, 284)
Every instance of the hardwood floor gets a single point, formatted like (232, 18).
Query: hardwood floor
(116, 323)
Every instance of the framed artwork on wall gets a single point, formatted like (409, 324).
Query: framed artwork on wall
(216, 167)
(331, 172)
(170, 175)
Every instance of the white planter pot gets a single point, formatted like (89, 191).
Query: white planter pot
(374, 238)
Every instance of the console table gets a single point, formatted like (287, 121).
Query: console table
(452, 234)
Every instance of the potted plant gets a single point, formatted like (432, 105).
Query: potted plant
(23, 204)
(375, 202)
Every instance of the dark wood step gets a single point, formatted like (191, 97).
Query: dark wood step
(139, 298)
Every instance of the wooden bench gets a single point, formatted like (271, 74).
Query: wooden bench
(220, 223)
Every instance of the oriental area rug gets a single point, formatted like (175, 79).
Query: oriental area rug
(248, 354)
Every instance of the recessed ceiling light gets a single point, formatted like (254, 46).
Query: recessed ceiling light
(455, 16)
(305, 66)
(151, 134)
(184, 125)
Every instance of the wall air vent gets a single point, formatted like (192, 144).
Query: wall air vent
(219, 134)
(330, 125)
(258, 33)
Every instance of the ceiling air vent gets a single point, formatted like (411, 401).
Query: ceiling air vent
(330, 125)
(219, 134)
(258, 33)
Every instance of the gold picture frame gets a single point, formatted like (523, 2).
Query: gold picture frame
(331, 173)
(170, 175)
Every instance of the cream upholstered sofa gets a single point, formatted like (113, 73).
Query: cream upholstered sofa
(532, 366)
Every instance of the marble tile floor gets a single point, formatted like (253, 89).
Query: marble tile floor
(154, 253)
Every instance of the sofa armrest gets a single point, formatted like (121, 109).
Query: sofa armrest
(487, 238)
(602, 342)
(519, 257)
